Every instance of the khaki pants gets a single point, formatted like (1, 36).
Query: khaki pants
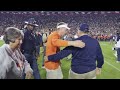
(88, 75)
(54, 74)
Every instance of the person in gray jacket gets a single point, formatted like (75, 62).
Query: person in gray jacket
(13, 64)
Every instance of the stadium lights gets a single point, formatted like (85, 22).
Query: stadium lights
(30, 13)
(24, 12)
(1, 12)
(83, 12)
(76, 12)
(89, 13)
(42, 11)
(66, 13)
(116, 11)
(108, 12)
(59, 12)
(13, 12)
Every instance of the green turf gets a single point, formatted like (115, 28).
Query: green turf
(1, 42)
(108, 71)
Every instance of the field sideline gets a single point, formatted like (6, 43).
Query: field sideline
(110, 70)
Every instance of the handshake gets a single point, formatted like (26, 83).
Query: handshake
(45, 58)
(77, 43)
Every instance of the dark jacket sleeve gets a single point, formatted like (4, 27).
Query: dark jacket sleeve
(100, 58)
(60, 55)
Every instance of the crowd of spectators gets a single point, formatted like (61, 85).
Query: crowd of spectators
(103, 24)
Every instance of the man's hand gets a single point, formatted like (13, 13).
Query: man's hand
(77, 43)
(45, 58)
(28, 75)
(98, 71)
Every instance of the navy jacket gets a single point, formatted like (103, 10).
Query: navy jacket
(83, 59)
(28, 45)
(38, 39)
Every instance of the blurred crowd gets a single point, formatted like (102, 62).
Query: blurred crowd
(103, 25)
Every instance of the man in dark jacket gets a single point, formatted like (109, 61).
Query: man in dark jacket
(83, 64)
(28, 47)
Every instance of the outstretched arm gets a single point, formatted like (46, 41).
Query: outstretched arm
(64, 43)
(60, 55)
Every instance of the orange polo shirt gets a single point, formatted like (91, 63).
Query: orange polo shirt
(52, 47)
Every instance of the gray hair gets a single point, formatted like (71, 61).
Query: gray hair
(11, 33)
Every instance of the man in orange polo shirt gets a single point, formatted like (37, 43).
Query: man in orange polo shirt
(54, 42)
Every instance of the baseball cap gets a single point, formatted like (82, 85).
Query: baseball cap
(84, 27)
(62, 24)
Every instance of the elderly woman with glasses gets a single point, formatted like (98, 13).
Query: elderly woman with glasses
(13, 64)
